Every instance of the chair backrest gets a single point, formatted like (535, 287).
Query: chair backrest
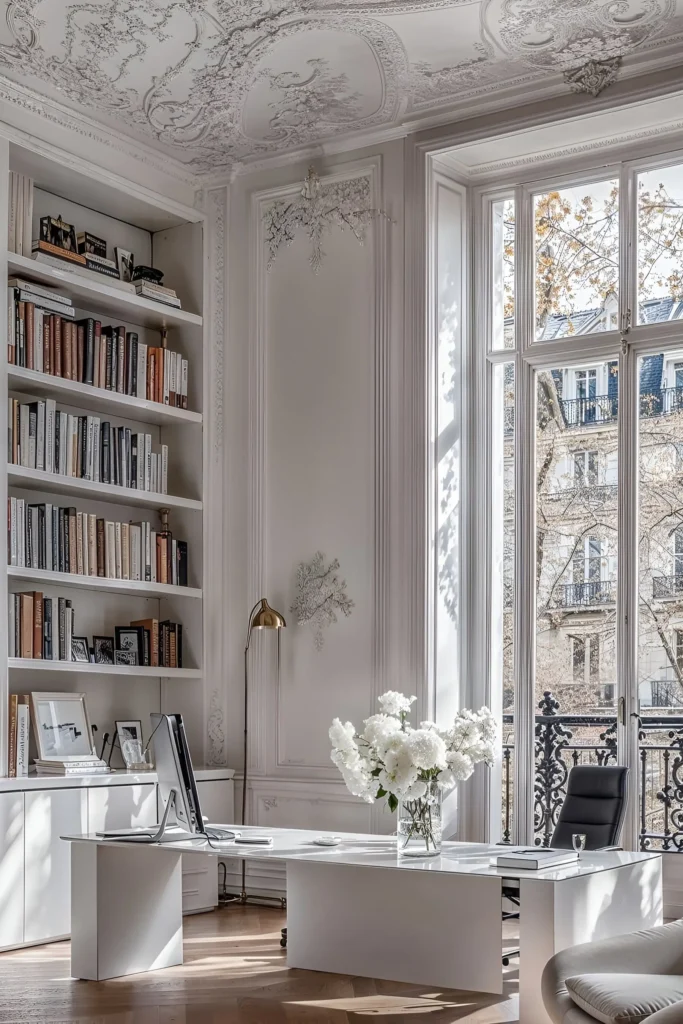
(595, 805)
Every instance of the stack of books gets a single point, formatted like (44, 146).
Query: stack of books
(43, 336)
(84, 766)
(157, 292)
(85, 265)
(18, 719)
(40, 627)
(43, 437)
(45, 536)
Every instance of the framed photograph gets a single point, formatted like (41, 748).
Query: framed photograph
(125, 658)
(132, 639)
(58, 232)
(79, 648)
(125, 261)
(129, 736)
(104, 650)
(61, 726)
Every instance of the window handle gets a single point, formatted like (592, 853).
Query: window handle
(621, 710)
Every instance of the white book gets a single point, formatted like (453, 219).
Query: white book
(21, 533)
(27, 228)
(142, 370)
(147, 534)
(48, 304)
(85, 558)
(172, 383)
(148, 462)
(12, 227)
(164, 469)
(11, 626)
(118, 551)
(74, 445)
(40, 290)
(64, 442)
(167, 362)
(70, 468)
(153, 475)
(49, 556)
(535, 859)
(153, 555)
(140, 466)
(135, 549)
(109, 551)
(96, 457)
(79, 543)
(50, 417)
(13, 531)
(125, 551)
(22, 740)
(68, 630)
(89, 444)
(33, 550)
(20, 242)
(40, 437)
(92, 544)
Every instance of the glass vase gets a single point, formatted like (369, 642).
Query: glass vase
(419, 824)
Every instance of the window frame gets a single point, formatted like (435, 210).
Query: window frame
(623, 346)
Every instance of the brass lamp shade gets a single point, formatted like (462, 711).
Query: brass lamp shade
(266, 617)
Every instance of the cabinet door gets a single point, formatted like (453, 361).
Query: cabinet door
(112, 807)
(216, 799)
(49, 815)
(11, 869)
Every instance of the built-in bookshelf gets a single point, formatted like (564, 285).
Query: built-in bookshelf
(168, 237)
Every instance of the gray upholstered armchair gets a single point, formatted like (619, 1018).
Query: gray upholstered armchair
(623, 980)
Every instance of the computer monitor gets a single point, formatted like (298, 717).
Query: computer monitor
(175, 772)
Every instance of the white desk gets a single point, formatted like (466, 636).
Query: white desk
(358, 909)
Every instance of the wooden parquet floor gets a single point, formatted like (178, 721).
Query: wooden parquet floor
(234, 973)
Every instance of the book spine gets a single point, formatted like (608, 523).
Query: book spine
(12, 737)
(26, 611)
(40, 437)
(30, 323)
(101, 549)
(38, 625)
(80, 569)
(22, 740)
(89, 353)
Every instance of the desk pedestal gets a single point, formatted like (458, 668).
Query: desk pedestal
(126, 910)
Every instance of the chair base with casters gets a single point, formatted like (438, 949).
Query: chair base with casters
(594, 806)
(283, 938)
(636, 977)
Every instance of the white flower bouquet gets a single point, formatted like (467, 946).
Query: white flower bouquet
(409, 767)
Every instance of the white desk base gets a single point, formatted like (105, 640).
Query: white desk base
(358, 910)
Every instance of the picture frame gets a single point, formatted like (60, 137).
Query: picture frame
(125, 262)
(104, 650)
(57, 232)
(79, 648)
(125, 658)
(61, 726)
(127, 731)
(130, 638)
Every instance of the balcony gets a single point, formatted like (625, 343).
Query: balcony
(594, 594)
(589, 412)
(667, 587)
(565, 740)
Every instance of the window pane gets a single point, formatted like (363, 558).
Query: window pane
(502, 576)
(660, 245)
(577, 260)
(503, 274)
(576, 548)
(660, 630)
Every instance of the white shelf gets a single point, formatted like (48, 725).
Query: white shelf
(84, 396)
(143, 671)
(133, 588)
(39, 480)
(102, 298)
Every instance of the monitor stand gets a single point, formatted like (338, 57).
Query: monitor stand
(163, 833)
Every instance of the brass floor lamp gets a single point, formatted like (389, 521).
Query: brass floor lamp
(261, 616)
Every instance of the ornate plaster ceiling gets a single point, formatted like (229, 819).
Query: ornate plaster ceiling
(214, 82)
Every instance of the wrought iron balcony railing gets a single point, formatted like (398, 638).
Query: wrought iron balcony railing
(565, 740)
(667, 586)
(593, 594)
(584, 412)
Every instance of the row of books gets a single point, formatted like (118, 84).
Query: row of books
(40, 627)
(45, 536)
(20, 220)
(41, 436)
(43, 336)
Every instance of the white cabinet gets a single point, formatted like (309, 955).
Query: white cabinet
(200, 874)
(216, 799)
(12, 873)
(50, 814)
(112, 807)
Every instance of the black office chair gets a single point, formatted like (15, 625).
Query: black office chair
(595, 805)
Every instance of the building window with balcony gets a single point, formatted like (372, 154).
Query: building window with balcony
(587, 561)
(585, 658)
(585, 469)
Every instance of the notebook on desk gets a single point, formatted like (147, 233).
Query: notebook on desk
(535, 859)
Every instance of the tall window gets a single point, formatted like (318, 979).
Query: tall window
(585, 468)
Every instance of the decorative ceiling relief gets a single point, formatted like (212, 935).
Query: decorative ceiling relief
(211, 83)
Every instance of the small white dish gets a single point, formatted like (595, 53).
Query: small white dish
(327, 841)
